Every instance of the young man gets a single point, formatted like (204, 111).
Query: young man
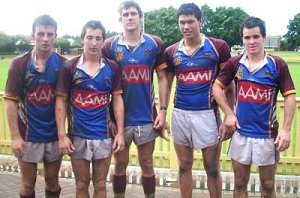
(258, 78)
(85, 84)
(138, 55)
(196, 60)
(30, 103)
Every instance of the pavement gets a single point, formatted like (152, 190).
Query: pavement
(167, 187)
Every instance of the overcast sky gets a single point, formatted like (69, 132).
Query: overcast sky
(16, 16)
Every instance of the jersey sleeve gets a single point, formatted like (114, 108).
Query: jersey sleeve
(117, 89)
(169, 57)
(228, 73)
(286, 85)
(65, 77)
(160, 62)
(106, 49)
(14, 89)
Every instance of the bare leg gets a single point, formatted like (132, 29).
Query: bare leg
(29, 173)
(241, 179)
(100, 171)
(51, 178)
(185, 157)
(81, 168)
(267, 180)
(211, 159)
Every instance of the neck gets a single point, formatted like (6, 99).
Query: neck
(42, 54)
(256, 57)
(192, 43)
(91, 59)
(132, 37)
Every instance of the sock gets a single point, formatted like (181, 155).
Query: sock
(28, 196)
(149, 186)
(119, 185)
(52, 194)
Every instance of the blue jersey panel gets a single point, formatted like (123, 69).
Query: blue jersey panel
(39, 90)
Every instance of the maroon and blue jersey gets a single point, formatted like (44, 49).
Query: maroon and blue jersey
(137, 65)
(196, 73)
(34, 91)
(89, 96)
(256, 93)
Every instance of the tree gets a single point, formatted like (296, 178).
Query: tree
(22, 44)
(224, 23)
(7, 44)
(293, 35)
(163, 23)
(63, 44)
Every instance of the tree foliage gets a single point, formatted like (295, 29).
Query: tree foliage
(62, 43)
(222, 23)
(293, 35)
(163, 23)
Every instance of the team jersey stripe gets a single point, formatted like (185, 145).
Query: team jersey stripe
(220, 84)
(118, 92)
(161, 67)
(61, 93)
(11, 97)
(293, 91)
(215, 49)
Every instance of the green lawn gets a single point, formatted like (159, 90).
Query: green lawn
(292, 58)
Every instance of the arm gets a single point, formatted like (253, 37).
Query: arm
(160, 121)
(118, 106)
(65, 144)
(230, 122)
(284, 137)
(12, 119)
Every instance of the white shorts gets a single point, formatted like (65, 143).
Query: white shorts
(41, 152)
(195, 129)
(91, 149)
(140, 134)
(257, 151)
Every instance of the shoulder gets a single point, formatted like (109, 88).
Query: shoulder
(217, 41)
(60, 57)
(112, 63)
(154, 38)
(71, 63)
(171, 49)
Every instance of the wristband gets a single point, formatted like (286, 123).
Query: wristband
(163, 108)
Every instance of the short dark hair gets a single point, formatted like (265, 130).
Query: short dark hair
(93, 24)
(128, 4)
(189, 9)
(252, 22)
(44, 20)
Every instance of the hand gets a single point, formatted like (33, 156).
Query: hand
(112, 129)
(119, 142)
(283, 140)
(224, 133)
(18, 146)
(165, 132)
(231, 122)
(65, 145)
(160, 121)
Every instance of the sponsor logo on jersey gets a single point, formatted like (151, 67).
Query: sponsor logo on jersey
(196, 76)
(138, 74)
(41, 95)
(119, 54)
(252, 92)
(90, 100)
(147, 52)
(177, 59)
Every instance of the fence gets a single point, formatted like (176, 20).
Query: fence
(165, 156)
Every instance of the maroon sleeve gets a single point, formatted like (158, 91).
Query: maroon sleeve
(229, 72)
(160, 62)
(169, 57)
(65, 77)
(285, 82)
(15, 79)
(118, 76)
(107, 47)
(222, 49)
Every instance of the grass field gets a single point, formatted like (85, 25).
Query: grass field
(292, 58)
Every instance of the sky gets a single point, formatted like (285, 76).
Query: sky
(17, 16)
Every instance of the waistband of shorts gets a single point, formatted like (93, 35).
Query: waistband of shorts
(193, 112)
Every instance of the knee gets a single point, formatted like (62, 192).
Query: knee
(185, 166)
(99, 185)
(52, 182)
(212, 171)
(120, 167)
(27, 188)
(240, 183)
(267, 185)
(146, 165)
(82, 185)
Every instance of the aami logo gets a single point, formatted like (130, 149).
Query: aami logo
(194, 76)
(138, 74)
(88, 99)
(41, 95)
(251, 92)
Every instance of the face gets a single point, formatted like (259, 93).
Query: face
(130, 19)
(253, 40)
(44, 37)
(92, 41)
(189, 26)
